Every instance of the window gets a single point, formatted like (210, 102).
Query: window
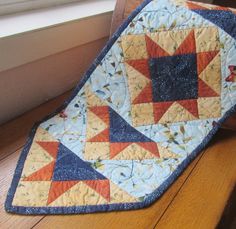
(14, 6)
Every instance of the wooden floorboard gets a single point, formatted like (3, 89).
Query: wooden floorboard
(144, 218)
(14, 133)
(195, 200)
(7, 166)
(13, 136)
(200, 202)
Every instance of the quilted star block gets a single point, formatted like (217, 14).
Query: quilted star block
(55, 176)
(182, 68)
(110, 137)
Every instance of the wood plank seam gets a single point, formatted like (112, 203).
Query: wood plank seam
(201, 154)
(177, 198)
(7, 172)
(37, 223)
(178, 190)
(10, 153)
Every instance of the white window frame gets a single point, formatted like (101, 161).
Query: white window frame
(16, 6)
(33, 35)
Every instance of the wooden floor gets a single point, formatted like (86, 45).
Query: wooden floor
(196, 200)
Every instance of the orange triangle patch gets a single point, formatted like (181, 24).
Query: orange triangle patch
(102, 187)
(204, 90)
(159, 109)
(50, 147)
(43, 174)
(145, 95)
(150, 146)
(117, 147)
(153, 49)
(103, 136)
(188, 45)
(203, 59)
(141, 66)
(58, 188)
(102, 112)
(190, 105)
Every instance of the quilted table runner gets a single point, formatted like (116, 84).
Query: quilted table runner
(147, 106)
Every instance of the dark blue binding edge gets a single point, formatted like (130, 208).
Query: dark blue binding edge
(108, 207)
(229, 28)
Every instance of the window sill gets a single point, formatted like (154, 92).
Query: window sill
(26, 37)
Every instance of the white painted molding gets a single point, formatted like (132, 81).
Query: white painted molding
(14, 6)
(28, 37)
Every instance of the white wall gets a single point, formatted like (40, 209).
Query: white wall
(25, 87)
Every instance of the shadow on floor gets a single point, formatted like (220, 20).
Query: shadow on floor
(228, 219)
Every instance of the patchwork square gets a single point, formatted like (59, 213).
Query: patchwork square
(207, 40)
(209, 107)
(135, 47)
(172, 79)
(181, 68)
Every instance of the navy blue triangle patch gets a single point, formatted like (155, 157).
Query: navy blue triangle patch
(224, 19)
(70, 167)
(121, 131)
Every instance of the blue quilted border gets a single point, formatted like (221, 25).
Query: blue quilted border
(111, 207)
